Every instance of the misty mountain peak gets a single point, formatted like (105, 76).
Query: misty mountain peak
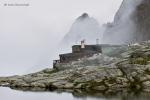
(84, 27)
(83, 16)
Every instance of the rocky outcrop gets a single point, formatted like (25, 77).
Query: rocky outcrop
(128, 72)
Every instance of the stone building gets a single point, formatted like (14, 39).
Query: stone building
(78, 52)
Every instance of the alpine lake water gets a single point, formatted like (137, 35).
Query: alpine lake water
(12, 94)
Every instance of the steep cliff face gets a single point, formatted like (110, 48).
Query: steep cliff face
(126, 10)
(85, 27)
(131, 23)
(142, 20)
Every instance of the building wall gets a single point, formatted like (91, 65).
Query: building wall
(65, 58)
(78, 53)
(94, 48)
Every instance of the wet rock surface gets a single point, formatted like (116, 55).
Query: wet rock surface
(110, 75)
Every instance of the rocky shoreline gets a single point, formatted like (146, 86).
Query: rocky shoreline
(130, 71)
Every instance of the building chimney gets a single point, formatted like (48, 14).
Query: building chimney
(83, 44)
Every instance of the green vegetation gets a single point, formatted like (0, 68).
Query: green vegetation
(139, 57)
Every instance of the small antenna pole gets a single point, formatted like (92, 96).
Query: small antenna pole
(83, 44)
(97, 41)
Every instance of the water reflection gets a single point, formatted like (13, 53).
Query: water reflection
(9, 94)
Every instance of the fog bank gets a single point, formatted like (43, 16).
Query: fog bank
(122, 29)
(29, 35)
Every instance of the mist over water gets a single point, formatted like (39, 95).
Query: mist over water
(29, 36)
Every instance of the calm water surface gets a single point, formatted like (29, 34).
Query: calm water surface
(9, 94)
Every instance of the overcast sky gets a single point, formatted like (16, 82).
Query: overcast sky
(28, 34)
